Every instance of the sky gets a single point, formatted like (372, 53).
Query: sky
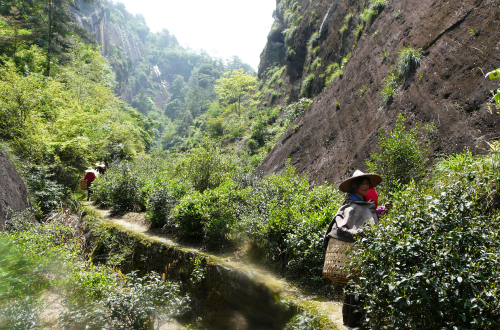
(223, 28)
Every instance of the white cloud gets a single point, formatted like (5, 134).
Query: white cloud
(231, 27)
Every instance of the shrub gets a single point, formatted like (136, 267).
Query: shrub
(408, 61)
(433, 264)
(316, 64)
(206, 166)
(357, 32)
(343, 29)
(286, 220)
(401, 158)
(162, 200)
(46, 194)
(332, 72)
(98, 298)
(209, 218)
(307, 84)
(119, 188)
(387, 95)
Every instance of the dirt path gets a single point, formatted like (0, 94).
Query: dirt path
(136, 222)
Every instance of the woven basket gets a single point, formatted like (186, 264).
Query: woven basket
(83, 184)
(337, 255)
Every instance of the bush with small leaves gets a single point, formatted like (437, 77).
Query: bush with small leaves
(433, 263)
(162, 200)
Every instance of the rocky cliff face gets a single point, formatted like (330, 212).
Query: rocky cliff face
(13, 193)
(448, 93)
(122, 47)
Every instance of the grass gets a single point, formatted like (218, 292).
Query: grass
(307, 84)
(385, 54)
(409, 60)
(316, 64)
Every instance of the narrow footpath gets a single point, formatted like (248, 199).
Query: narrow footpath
(135, 222)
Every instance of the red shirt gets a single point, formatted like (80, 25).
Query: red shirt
(90, 176)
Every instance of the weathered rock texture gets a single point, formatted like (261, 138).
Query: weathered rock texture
(13, 193)
(461, 42)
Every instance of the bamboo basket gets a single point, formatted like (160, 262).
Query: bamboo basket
(83, 184)
(337, 255)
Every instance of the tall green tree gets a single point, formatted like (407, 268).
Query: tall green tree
(233, 86)
(58, 25)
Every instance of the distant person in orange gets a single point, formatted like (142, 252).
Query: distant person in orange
(90, 175)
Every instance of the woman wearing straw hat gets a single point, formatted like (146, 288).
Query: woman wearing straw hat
(352, 216)
(100, 168)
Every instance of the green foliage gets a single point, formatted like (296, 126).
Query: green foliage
(307, 85)
(343, 29)
(286, 220)
(436, 255)
(206, 167)
(120, 190)
(98, 298)
(333, 71)
(496, 94)
(312, 45)
(408, 61)
(162, 199)
(374, 8)
(357, 32)
(401, 158)
(210, 217)
(384, 55)
(294, 110)
(303, 321)
(234, 86)
(46, 193)
(387, 95)
(316, 63)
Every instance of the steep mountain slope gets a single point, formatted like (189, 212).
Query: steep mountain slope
(447, 94)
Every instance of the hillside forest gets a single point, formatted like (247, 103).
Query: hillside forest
(203, 148)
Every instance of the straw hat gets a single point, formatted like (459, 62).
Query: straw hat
(346, 186)
(100, 165)
(90, 169)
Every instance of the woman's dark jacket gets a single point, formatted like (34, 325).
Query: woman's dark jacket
(350, 219)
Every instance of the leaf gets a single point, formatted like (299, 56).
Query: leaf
(493, 74)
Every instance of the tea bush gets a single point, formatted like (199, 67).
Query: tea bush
(162, 200)
(121, 188)
(46, 194)
(206, 167)
(210, 217)
(287, 219)
(98, 298)
(432, 264)
(38, 258)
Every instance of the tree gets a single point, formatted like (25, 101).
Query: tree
(59, 24)
(401, 159)
(234, 86)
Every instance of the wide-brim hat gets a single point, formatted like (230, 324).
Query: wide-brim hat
(90, 169)
(374, 178)
(100, 165)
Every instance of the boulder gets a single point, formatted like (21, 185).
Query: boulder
(13, 193)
